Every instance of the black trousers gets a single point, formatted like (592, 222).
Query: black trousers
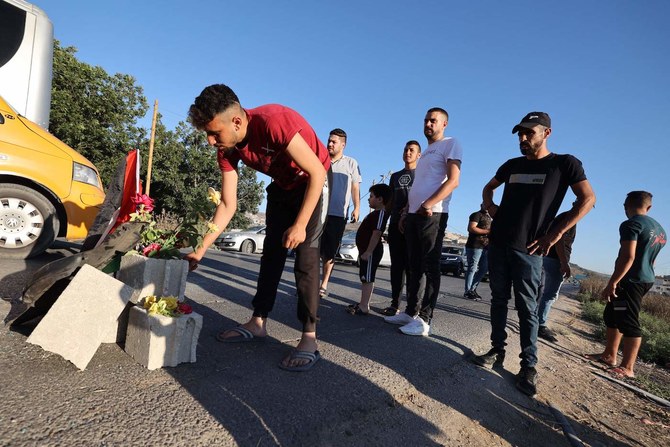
(424, 237)
(281, 212)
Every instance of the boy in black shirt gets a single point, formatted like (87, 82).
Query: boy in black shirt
(368, 242)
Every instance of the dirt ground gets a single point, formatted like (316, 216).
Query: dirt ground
(592, 400)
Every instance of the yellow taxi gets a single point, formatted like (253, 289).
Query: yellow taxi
(47, 189)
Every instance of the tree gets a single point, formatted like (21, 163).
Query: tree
(96, 114)
(201, 170)
(93, 112)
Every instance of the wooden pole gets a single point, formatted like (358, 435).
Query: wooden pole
(151, 147)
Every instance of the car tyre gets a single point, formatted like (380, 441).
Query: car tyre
(247, 246)
(28, 222)
(459, 271)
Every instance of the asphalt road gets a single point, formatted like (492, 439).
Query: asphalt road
(373, 386)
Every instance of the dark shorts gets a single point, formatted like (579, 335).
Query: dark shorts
(623, 312)
(368, 269)
(332, 236)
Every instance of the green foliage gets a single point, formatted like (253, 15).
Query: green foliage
(93, 112)
(96, 114)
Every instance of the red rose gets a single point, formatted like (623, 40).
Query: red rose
(151, 248)
(184, 308)
(143, 199)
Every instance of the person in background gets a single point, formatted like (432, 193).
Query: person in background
(344, 178)
(555, 269)
(369, 244)
(641, 238)
(401, 183)
(479, 225)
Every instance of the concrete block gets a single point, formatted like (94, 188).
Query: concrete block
(156, 341)
(82, 316)
(160, 277)
(117, 334)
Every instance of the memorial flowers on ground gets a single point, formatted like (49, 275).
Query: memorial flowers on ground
(166, 234)
(168, 306)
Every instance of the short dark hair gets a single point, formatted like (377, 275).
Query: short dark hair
(414, 142)
(339, 133)
(639, 199)
(382, 190)
(212, 100)
(439, 110)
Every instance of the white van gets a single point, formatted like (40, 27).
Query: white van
(26, 59)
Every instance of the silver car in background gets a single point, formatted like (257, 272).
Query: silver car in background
(247, 241)
(348, 252)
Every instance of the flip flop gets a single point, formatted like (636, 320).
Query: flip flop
(353, 309)
(619, 373)
(598, 358)
(312, 358)
(244, 336)
(323, 292)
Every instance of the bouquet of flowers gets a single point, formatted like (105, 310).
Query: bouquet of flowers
(168, 306)
(163, 239)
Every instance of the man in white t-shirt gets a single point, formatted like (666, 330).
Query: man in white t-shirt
(437, 175)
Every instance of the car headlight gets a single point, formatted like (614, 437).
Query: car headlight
(85, 174)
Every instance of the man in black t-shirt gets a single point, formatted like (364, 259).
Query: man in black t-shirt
(400, 183)
(535, 185)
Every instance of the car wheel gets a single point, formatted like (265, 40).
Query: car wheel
(28, 222)
(459, 271)
(248, 246)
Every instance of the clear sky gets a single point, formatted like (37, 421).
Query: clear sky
(373, 68)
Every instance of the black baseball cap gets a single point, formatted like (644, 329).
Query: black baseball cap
(532, 120)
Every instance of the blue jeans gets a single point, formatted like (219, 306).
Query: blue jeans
(424, 236)
(512, 268)
(553, 278)
(477, 266)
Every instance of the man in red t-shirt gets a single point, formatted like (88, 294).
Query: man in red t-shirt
(278, 142)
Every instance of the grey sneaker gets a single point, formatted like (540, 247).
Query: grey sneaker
(495, 357)
(547, 334)
(526, 380)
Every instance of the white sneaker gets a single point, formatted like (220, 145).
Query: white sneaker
(402, 319)
(416, 327)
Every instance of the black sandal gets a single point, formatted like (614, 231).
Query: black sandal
(390, 311)
(353, 309)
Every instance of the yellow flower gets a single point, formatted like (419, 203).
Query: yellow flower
(214, 195)
(149, 300)
(171, 302)
(212, 227)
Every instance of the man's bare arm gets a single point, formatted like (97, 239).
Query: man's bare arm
(446, 188)
(621, 266)
(584, 203)
(222, 215)
(307, 160)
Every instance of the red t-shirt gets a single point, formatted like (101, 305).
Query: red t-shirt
(271, 128)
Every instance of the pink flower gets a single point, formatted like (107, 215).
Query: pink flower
(143, 199)
(184, 308)
(151, 248)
